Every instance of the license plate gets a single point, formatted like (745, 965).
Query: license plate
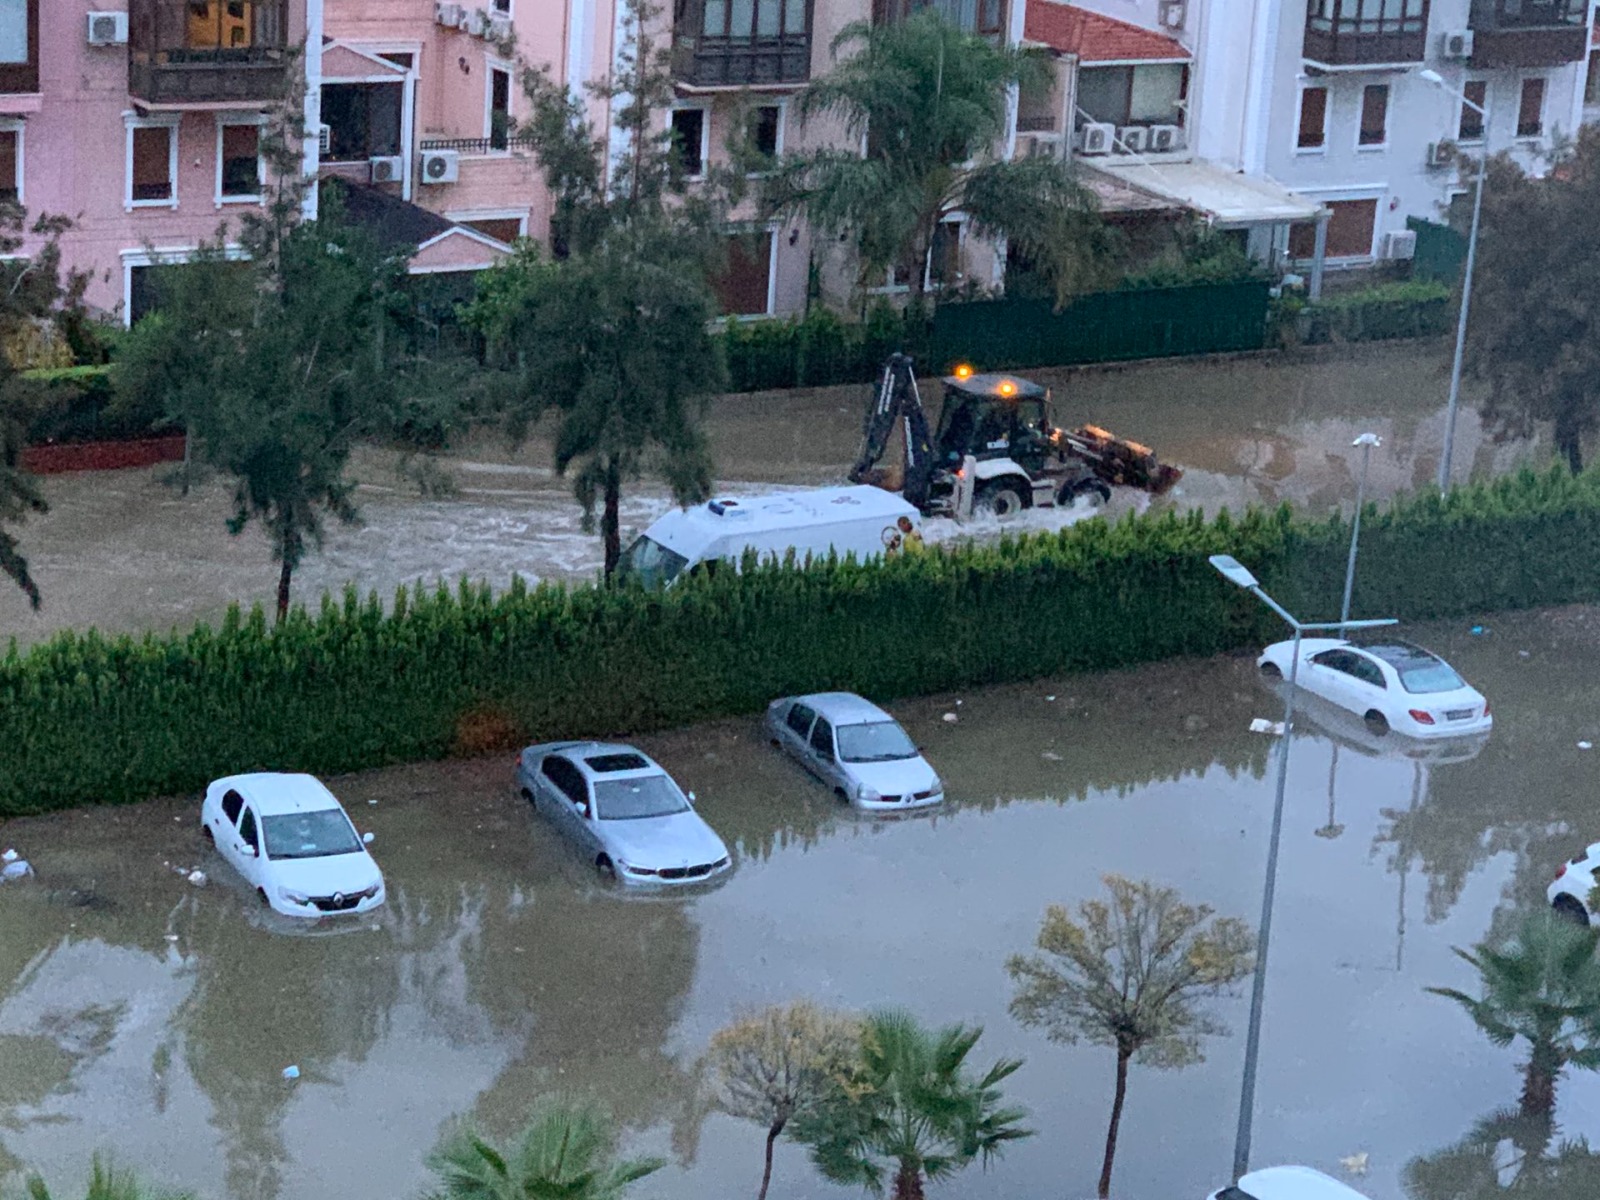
(1459, 714)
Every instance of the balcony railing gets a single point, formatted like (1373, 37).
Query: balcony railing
(1529, 33)
(1343, 33)
(475, 146)
(726, 43)
(207, 51)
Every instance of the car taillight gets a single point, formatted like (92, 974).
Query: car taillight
(1486, 708)
(1562, 871)
(1420, 717)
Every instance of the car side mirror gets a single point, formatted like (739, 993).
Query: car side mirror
(366, 839)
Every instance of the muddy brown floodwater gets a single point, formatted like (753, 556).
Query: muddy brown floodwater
(151, 1019)
(120, 551)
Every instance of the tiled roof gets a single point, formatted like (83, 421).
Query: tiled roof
(1095, 38)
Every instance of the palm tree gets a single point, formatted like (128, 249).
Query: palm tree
(1543, 988)
(908, 1105)
(18, 497)
(567, 1152)
(106, 1183)
(929, 104)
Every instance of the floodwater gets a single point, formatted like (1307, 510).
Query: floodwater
(151, 1019)
(121, 551)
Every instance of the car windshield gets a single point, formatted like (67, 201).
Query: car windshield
(876, 741)
(651, 563)
(632, 799)
(319, 834)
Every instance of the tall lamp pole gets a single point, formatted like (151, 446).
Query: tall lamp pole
(1433, 77)
(1366, 441)
(1238, 574)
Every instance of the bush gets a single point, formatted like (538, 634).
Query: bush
(817, 350)
(81, 404)
(84, 718)
(1392, 310)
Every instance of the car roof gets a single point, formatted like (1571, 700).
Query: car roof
(843, 707)
(1290, 1183)
(274, 793)
(581, 752)
(1399, 654)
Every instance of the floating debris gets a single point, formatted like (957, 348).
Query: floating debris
(950, 718)
(1262, 725)
(198, 878)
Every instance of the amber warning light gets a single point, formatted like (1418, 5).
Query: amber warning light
(1007, 388)
(964, 371)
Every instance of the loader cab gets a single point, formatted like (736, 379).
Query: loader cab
(993, 416)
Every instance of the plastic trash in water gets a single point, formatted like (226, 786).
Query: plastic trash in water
(1050, 756)
(16, 868)
(1051, 699)
(366, 839)
(1477, 631)
(1585, 745)
(1262, 725)
(949, 718)
(291, 1072)
(10, 856)
(198, 878)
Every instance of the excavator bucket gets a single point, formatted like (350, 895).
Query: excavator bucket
(1120, 461)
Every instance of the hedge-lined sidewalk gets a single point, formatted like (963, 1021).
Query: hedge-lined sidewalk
(86, 719)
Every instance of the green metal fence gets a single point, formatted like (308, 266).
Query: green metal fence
(1441, 251)
(1103, 327)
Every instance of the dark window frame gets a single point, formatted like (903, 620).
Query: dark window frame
(1369, 137)
(1473, 126)
(823, 726)
(1300, 141)
(691, 159)
(1539, 86)
(237, 801)
(810, 720)
(564, 773)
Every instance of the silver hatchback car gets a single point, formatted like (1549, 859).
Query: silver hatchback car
(855, 748)
(622, 812)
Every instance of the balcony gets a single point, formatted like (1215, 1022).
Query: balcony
(1529, 33)
(987, 18)
(207, 53)
(736, 43)
(1358, 33)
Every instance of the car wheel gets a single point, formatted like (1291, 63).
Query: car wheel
(604, 867)
(999, 500)
(205, 832)
(1271, 670)
(529, 797)
(1569, 908)
(262, 892)
(1095, 491)
(1376, 721)
(841, 795)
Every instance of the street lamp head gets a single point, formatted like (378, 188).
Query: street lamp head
(1429, 75)
(1233, 570)
(1368, 439)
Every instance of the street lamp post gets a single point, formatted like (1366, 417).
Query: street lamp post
(1238, 574)
(1366, 441)
(1433, 77)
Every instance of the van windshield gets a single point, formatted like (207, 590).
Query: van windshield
(651, 563)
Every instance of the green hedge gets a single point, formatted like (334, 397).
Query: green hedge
(85, 718)
(818, 350)
(78, 404)
(1392, 310)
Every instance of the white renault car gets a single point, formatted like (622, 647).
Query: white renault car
(1393, 685)
(293, 843)
(1287, 1183)
(1570, 893)
(855, 748)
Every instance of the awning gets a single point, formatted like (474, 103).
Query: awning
(1122, 197)
(1226, 198)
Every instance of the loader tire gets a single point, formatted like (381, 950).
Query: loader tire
(1001, 500)
(1096, 491)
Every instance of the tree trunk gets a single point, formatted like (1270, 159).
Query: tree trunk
(908, 1182)
(1539, 1088)
(766, 1174)
(1116, 1121)
(611, 521)
(1569, 441)
(285, 570)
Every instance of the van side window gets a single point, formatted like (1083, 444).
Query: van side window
(232, 802)
(822, 738)
(800, 718)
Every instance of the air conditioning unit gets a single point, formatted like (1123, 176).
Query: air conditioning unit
(1164, 139)
(1096, 138)
(1039, 145)
(1173, 13)
(387, 168)
(449, 15)
(1456, 44)
(1441, 154)
(499, 26)
(108, 29)
(1132, 139)
(476, 22)
(1401, 244)
(439, 166)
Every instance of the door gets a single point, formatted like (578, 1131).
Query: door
(251, 866)
(797, 730)
(565, 798)
(1367, 686)
(1330, 676)
(823, 761)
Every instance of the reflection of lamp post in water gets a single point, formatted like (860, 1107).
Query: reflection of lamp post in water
(1421, 777)
(1332, 829)
(1366, 441)
(1239, 575)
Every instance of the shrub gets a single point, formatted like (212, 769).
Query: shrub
(85, 718)
(1391, 310)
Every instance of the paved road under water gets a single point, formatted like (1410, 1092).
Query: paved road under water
(122, 552)
(152, 1019)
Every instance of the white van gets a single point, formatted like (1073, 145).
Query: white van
(864, 521)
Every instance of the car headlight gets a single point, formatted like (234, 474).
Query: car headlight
(630, 869)
(869, 795)
(292, 896)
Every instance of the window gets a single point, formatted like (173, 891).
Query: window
(363, 120)
(745, 20)
(401, 58)
(501, 229)
(1313, 118)
(223, 24)
(766, 131)
(1374, 115)
(822, 738)
(1591, 85)
(1366, 671)
(152, 165)
(1350, 229)
(238, 161)
(800, 718)
(689, 138)
(19, 45)
(1141, 95)
(944, 255)
(247, 829)
(232, 802)
(11, 165)
(567, 779)
(986, 17)
(502, 6)
(499, 117)
(1471, 128)
(1530, 113)
(745, 284)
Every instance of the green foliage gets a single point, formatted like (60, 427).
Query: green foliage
(1414, 308)
(1506, 1156)
(909, 1106)
(817, 350)
(352, 685)
(105, 1183)
(1197, 254)
(566, 1152)
(1543, 989)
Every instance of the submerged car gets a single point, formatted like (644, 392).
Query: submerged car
(855, 748)
(1571, 892)
(1287, 1183)
(622, 812)
(293, 843)
(1393, 685)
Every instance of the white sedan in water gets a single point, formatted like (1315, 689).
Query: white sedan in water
(1393, 685)
(1571, 892)
(855, 748)
(293, 843)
